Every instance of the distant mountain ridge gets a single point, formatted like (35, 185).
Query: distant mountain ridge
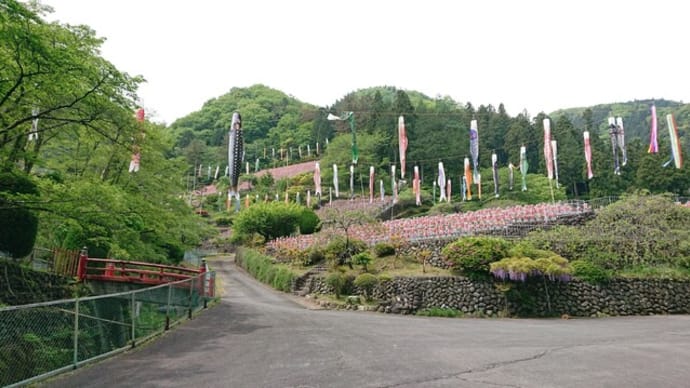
(636, 117)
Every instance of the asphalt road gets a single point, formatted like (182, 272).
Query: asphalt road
(259, 338)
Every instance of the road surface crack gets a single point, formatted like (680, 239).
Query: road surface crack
(463, 375)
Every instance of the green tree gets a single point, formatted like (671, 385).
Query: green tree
(340, 152)
(522, 132)
(570, 151)
(53, 73)
(269, 220)
(345, 221)
(654, 177)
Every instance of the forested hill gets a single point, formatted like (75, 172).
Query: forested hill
(270, 117)
(273, 119)
(636, 117)
(279, 129)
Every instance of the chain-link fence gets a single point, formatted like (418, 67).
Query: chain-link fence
(44, 339)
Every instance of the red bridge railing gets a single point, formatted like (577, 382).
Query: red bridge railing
(137, 272)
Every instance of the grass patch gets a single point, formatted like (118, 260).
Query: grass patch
(404, 266)
(442, 312)
(659, 272)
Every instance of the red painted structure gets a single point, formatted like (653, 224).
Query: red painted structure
(137, 272)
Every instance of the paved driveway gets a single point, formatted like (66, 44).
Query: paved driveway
(259, 338)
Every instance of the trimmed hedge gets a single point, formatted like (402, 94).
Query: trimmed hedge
(263, 268)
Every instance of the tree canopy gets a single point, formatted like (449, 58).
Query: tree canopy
(68, 123)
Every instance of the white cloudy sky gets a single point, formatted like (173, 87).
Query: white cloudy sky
(529, 54)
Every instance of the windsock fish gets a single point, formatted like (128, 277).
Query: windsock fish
(235, 155)
(548, 152)
(494, 170)
(474, 148)
(653, 144)
(468, 179)
(441, 182)
(317, 180)
(588, 155)
(621, 140)
(335, 180)
(416, 187)
(613, 133)
(524, 166)
(676, 154)
(554, 153)
(371, 184)
(402, 144)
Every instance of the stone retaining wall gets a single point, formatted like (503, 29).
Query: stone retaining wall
(534, 298)
(20, 285)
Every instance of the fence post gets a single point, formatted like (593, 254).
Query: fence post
(134, 318)
(191, 297)
(167, 308)
(110, 270)
(203, 280)
(212, 285)
(81, 268)
(75, 356)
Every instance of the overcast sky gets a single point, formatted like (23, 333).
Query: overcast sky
(528, 54)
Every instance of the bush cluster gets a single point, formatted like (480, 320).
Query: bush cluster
(471, 256)
(366, 283)
(339, 250)
(589, 272)
(636, 231)
(383, 249)
(272, 220)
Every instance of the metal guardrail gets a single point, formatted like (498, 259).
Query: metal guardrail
(44, 339)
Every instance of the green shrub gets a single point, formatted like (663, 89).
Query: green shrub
(336, 281)
(269, 220)
(264, 269)
(385, 278)
(19, 225)
(684, 263)
(472, 256)
(449, 208)
(309, 222)
(635, 231)
(339, 251)
(363, 259)
(527, 248)
(315, 254)
(223, 220)
(589, 272)
(383, 249)
(282, 280)
(366, 283)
